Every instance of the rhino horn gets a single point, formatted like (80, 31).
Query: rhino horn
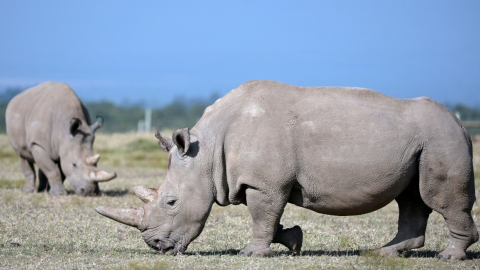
(147, 195)
(97, 124)
(165, 143)
(101, 176)
(92, 160)
(132, 216)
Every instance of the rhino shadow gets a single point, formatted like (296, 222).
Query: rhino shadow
(407, 254)
(115, 193)
(231, 252)
(107, 193)
(471, 255)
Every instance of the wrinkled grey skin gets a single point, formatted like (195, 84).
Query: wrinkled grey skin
(334, 150)
(48, 125)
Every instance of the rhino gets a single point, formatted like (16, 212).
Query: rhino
(49, 125)
(334, 150)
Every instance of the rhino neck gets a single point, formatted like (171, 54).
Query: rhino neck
(212, 143)
(212, 129)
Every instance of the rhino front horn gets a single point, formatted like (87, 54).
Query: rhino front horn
(101, 176)
(131, 217)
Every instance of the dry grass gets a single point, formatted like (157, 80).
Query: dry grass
(38, 231)
(130, 150)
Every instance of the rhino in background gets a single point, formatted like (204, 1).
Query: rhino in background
(333, 150)
(48, 125)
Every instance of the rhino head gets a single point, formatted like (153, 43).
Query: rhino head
(77, 161)
(174, 214)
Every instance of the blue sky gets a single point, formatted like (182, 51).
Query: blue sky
(154, 51)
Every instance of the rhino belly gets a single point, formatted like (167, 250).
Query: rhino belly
(355, 185)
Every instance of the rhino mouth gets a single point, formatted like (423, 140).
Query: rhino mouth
(168, 248)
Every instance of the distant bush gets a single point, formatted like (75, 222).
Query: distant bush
(468, 114)
(182, 112)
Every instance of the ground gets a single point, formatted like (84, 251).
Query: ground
(38, 231)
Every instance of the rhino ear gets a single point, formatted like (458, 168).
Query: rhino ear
(97, 124)
(75, 124)
(165, 143)
(181, 138)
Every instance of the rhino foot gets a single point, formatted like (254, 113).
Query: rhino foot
(29, 189)
(452, 254)
(58, 191)
(251, 251)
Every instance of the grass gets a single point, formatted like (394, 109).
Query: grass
(38, 231)
(130, 150)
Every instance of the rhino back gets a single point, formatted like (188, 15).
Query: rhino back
(41, 115)
(318, 141)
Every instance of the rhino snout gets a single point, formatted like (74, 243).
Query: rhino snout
(166, 248)
(88, 191)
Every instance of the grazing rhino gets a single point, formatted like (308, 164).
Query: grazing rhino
(334, 150)
(48, 125)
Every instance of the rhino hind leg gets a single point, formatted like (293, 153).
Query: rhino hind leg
(29, 172)
(50, 170)
(447, 185)
(412, 221)
(463, 232)
(292, 238)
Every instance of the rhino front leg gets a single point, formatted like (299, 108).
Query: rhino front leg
(29, 172)
(266, 211)
(50, 170)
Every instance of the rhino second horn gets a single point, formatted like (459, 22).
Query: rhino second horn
(165, 143)
(147, 195)
(92, 160)
(97, 124)
(132, 216)
(101, 176)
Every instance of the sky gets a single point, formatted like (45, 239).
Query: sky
(152, 52)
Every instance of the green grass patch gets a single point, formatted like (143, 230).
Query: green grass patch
(12, 184)
(8, 198)
(8, 154)
(143, 145)
(377, 261)
(138, 153)
(346, 243)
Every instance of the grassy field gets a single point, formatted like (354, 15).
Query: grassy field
(38, 231)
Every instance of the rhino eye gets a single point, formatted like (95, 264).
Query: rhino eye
(171, 202)
(74, 164)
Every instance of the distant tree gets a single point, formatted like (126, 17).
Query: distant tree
(9, 93)
(117, 119)
(5, 97)
(467, 113)
(182, 112)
